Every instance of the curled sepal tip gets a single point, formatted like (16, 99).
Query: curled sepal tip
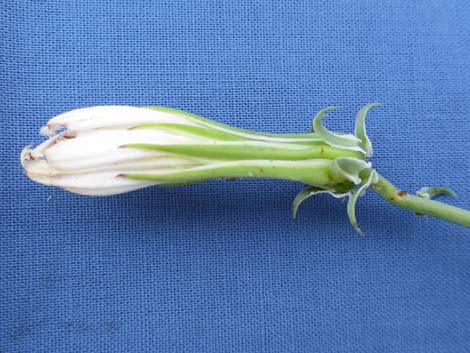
(349, 142)
(355, 194)
(360, 129)
(303, 195)
(308, 192)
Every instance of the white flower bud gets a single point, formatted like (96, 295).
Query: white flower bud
(109, 150)
(88, 157)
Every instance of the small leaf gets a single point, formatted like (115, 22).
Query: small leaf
(373, 178)
(431, 192)
(346, 141)
(360, 130)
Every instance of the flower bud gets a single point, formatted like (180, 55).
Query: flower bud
(89, 156)
(109, 150)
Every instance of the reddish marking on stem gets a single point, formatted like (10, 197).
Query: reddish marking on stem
(402, 193)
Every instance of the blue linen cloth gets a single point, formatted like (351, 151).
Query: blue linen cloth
(222, 267)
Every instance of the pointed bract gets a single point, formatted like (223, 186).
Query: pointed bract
(308, 192)
(373, 178)
(431, 192)
(360, 129)
(346, 141)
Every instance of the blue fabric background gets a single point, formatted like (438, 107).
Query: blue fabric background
(221, 267)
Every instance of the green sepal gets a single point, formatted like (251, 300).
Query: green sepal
(193, 130)
(350, 168)
(243, 133)
(346, 141)
(360, 129)
(355, 194)
(308, 192)
(244, 150)
(315, 172)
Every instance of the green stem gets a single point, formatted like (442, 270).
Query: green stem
(420, 205)
(314, 172)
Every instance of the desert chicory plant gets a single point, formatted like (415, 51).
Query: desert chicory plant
(110, 150)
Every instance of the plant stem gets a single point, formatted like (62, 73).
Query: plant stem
(420, 205)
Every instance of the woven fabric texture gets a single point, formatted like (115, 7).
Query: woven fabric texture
(222, 267)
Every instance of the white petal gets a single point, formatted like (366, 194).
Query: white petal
(98, 148)
(99, 184)
(114, 190)
(38, 171)
(114, 116)
(39, 167)
(90, 183)
(38, 152)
